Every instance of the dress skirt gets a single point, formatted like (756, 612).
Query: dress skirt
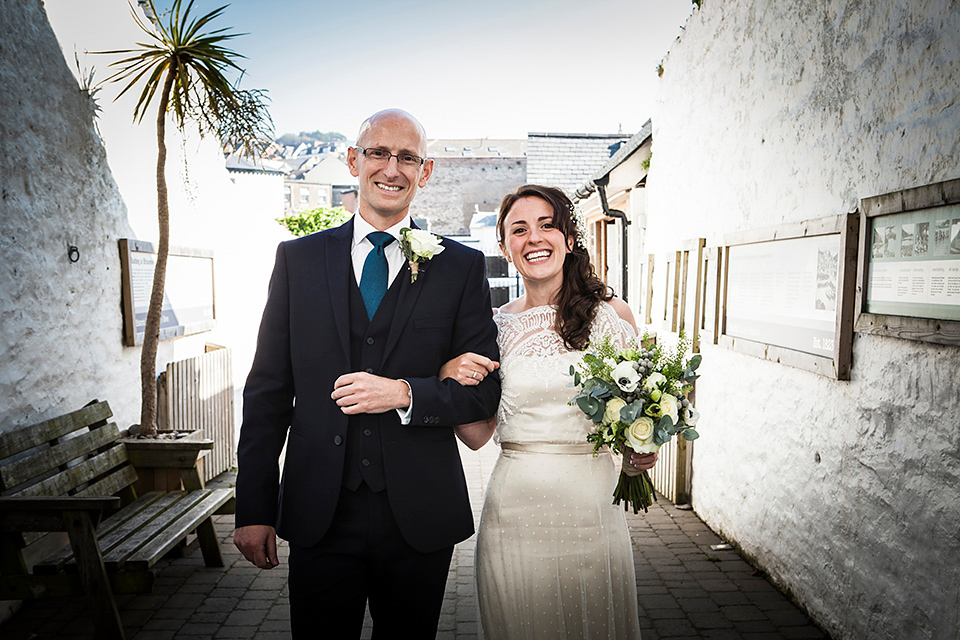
(554, 557)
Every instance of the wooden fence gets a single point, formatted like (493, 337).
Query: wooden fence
(197, 393)
(672, 473)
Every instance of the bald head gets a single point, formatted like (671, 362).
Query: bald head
(396, 116)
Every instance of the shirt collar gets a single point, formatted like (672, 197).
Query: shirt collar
(361, 228)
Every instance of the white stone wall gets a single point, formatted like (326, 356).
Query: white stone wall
(847, 493)
(61, 335)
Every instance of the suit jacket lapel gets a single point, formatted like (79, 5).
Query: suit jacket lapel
(409, 292)
(338, 279)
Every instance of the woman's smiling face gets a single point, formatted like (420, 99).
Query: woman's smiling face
(533, 243)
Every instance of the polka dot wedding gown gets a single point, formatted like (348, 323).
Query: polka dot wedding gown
(553, 556)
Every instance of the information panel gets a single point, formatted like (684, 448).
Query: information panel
(914, 267)
(784, 293)
(188, 300)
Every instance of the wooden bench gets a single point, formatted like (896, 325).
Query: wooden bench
(64, 474)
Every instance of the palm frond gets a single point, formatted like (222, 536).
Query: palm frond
(183, 46)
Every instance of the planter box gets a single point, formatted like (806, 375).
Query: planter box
(168, 464)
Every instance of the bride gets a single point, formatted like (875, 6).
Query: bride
(554, 557)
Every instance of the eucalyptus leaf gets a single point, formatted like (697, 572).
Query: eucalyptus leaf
(630, 412)
(690, 434)
(587, 404)
(694, 362)
(598, 413)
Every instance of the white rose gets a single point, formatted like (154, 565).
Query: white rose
(626, 376)
(653, 381)
(423, 243)
(612, 413)
(639, 435)
(691, 416)
(670, 407)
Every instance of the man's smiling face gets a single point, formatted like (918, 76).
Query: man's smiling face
(386, 189)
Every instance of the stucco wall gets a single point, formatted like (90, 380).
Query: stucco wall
(457, 184)
(61, 338)
(847, 493)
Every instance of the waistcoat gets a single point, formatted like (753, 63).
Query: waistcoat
(363, 457)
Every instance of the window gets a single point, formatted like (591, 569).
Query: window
(304, 195)
(286, 194)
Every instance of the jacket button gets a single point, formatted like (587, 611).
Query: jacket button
(369, 370)
(365, 462)
(370, 340)
(367, 432)
(337, 440)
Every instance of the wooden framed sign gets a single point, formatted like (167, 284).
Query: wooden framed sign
(648, 295)
(709, 317)
(188, 300)
(789, 292)
(691, 264)
(909, 271)
(671, 290)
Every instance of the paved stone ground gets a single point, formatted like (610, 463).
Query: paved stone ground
(686, 590)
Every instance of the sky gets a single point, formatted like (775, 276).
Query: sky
(465, 69)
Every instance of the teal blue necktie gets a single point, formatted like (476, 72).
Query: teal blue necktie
(373, 280)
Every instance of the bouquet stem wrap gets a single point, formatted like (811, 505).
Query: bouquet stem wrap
(634, 486)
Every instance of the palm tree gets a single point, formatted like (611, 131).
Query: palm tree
(188, 65)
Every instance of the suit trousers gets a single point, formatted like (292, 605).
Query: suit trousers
(363, 556)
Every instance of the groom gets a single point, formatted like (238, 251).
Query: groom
(373, 496)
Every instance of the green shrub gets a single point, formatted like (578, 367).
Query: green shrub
(315, 220)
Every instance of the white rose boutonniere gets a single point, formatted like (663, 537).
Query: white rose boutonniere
(418, 246)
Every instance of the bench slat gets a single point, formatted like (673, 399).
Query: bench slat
(147, 556)
(110, 532)
(145, 535)
(65, 481)
(40, 463)
(111, 484)
(19, 440)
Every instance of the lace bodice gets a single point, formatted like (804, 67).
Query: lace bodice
(534, 374)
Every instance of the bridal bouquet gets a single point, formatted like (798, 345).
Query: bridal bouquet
(637, 399)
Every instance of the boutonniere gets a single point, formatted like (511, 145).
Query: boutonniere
(418, 246)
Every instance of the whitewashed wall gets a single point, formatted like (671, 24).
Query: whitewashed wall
(61, 336)
(847, 493)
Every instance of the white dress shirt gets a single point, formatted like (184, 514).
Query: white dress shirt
(361, 247)
(359, 250)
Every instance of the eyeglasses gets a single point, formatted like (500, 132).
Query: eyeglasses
(382, 156)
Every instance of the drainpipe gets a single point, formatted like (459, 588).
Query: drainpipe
(615, 213)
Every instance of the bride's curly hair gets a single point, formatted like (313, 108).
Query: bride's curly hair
(581, 290)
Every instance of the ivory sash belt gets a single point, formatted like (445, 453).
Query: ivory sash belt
(544, 447)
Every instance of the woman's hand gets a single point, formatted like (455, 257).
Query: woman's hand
(638, 462)
(468, 369)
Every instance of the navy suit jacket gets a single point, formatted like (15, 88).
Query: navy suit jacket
(304, 346)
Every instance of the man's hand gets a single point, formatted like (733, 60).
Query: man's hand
(366, 393)
(258, 544)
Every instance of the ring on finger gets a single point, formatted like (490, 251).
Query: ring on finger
(473, 374)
